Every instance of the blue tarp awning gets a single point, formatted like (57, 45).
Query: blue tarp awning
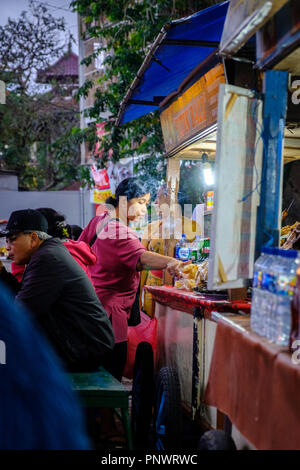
(180, 47)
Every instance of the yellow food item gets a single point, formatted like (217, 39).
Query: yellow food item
(288, 228)
(190, 268)
(179, 284)
(190, 284)
(190, 271)
(187, 284)
(3, 251)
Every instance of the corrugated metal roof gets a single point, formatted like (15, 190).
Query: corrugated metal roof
(66, 66)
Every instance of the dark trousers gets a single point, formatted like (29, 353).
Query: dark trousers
(116, 360)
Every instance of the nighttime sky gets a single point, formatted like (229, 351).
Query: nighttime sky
(58, 8)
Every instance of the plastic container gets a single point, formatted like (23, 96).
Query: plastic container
(268, 282)
(182, 250)
(256, 287)
(281, 318)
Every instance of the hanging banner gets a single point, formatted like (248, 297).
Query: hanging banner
(99, 197)
(236, 194)
(100, 178)
(118, 171)
(243, 19)
(100, 133)
(193, 111)
(102, 189)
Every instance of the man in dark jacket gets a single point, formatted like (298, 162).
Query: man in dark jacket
(57, 292)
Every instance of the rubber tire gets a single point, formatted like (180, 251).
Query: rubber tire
(168, 383)
(216, 439)
(142, 394)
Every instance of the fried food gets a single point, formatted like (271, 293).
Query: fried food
(190, 271)
(288, 228)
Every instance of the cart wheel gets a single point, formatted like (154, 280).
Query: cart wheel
(216, 439)
(142, 394)
(168, 410)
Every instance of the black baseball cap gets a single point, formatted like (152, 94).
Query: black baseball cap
(27, 219)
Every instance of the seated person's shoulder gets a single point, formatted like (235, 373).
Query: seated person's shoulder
(50, 254)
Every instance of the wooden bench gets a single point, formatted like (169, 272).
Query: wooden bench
(101, 390)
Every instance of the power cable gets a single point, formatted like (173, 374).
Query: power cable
(52, 6)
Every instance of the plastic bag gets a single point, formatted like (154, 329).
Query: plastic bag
(145, 331)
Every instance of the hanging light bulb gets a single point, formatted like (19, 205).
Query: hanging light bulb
(207, 170)
(208, 174)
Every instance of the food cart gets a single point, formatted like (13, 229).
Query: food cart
(203, 337)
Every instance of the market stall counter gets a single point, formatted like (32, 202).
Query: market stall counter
(186, 301)
(225, 369)
(256, 386)
(186, 328)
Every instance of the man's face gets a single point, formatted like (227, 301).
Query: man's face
(21, 247)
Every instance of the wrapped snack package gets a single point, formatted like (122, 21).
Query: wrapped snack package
(186, 284)
(190, 271)
(201, 277)
(193, 275)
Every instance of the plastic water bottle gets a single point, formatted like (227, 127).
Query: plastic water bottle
(256, 290)
(268, 281)
(281, 324)
(194, 249)
(182, 250)
(270, 306)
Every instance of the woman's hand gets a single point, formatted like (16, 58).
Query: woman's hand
(174, 267)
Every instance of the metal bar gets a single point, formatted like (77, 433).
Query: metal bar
(150, 103)
(202, 68)
(190, 42)
(196, 367)
(141, 70)
(274, 114)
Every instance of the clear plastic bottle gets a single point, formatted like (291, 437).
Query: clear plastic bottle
(177, 246)
(281, 324)
(270, 306)
(256, 290)
(183, 251)
(267, 289)
(194, 249)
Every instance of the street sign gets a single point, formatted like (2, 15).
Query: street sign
(243, 19)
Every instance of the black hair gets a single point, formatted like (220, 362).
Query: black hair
(131, 188)
(56, 222)
(74, 231)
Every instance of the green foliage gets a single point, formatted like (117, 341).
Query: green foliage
(127, 29)
(38, 131)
